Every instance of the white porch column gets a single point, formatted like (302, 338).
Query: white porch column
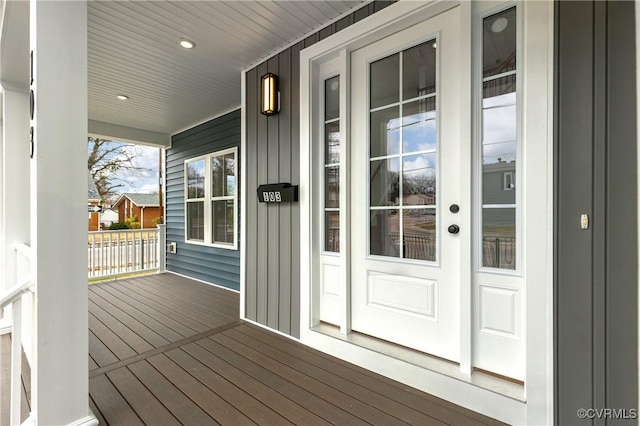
(15, 180)
(58, 213)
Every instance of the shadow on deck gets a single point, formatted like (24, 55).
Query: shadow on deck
(168, 350)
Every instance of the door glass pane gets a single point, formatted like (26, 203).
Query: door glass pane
(332, 187)
(332, 98)
(384, 182)
(499, 238)
(195, 220)
(419, 126)
(384, 81)
(223, 221)
(332, 231)
(499, 149)
(332, 143)
(499, 140)
(403, 144)
(385, 132)
(332, 165)
(419, 70)
(419, 234)
(385, 233)
(419, 180)
(195, 179)
(499, 43)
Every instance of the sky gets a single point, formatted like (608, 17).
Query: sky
(145, 181)
(140, 181)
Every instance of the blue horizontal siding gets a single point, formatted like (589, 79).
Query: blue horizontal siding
(210, 264)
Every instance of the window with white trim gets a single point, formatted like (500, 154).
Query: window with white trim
(499, 140)
(211, 200)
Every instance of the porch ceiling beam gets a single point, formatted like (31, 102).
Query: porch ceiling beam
(128, 134)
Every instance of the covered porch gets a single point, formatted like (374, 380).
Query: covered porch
(164, 349)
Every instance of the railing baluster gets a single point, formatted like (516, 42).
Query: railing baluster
(117, 252)
(16, 361)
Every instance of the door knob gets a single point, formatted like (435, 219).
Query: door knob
(453, 229)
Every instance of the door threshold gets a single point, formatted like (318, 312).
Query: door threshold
(500, 385)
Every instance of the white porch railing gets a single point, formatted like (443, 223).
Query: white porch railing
(14, 298)
(125, 251)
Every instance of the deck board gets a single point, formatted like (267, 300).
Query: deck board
(329, 378)
(405, 395)
(149, 313)
(179, 405)
(124, 311)
(199, 385)
(165, 350)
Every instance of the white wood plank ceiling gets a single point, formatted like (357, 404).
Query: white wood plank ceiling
(133, 50)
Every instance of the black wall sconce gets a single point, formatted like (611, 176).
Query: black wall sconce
(270, 95)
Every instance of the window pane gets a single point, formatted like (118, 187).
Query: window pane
(499, 238)
(499, 183)
(195, 179)
(230, 172)
(384, 233)
(332, 187)
(385, 185)
(419, 70)
(493, 89)
(419, 126)
(499, 149)
(385, 132)
(419, 234)
(223, 221)
(195, 220)
(223, 175)
(499, 43)
(332, 98)
(384, 81)
(332, 231)
(332, 143)
(419, 180)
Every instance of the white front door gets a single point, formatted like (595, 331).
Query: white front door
(406, 269)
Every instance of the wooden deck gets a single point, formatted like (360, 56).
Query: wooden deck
(166, 350)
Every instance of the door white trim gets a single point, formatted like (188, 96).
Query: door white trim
(537, 54)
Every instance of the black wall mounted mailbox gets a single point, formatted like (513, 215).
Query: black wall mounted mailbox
(277, 193)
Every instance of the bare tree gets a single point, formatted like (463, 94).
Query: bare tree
(106, 161)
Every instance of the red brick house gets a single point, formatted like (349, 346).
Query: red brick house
(145, 206)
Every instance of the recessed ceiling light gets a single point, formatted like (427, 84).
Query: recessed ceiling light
(187, 44)
(122, 97)
(499, 24)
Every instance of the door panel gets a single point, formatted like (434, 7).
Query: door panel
(405, 146)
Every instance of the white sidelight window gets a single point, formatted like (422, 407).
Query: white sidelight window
(499, 140)
(211, 199)
(332, 164)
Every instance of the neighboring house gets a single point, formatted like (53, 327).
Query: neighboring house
(505, 280)
(93, 200)
(146, 207)
(107, 217)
